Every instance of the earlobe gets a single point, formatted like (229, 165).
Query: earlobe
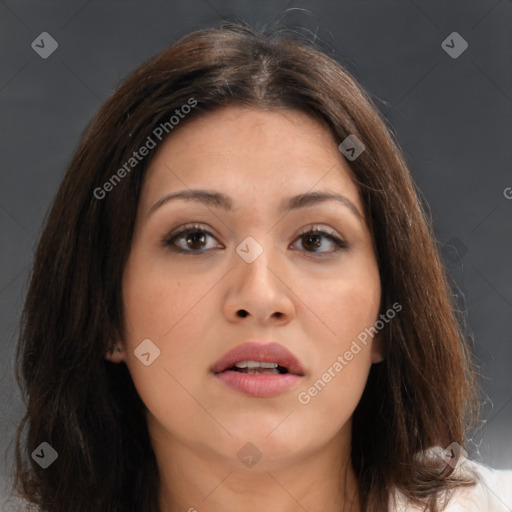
(115, 355)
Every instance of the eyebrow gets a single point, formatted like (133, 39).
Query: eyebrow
(215, 199)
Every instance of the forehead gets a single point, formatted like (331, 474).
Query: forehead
(250, 154)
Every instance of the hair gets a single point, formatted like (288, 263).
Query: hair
(422, 395)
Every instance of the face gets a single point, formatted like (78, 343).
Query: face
(252, 272)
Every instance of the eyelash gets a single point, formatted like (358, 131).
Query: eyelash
(311, 230)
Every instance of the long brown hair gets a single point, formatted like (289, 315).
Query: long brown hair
(87, 408)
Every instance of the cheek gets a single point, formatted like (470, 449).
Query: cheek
(154, 311)
(155, 300)
(162, 308)
(346, 305)
(342, 361)
(329, 402)
(356, 307)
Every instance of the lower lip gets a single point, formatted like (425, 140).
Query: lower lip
(259, 385)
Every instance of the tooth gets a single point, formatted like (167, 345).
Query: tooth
(260, 364)
(255, 364)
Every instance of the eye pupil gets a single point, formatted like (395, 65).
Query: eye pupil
(312, 236)
(196, 237)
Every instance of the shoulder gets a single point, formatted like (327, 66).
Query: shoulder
(491, 493)
(17, 504)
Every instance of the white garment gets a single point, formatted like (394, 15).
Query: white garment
(491, 493)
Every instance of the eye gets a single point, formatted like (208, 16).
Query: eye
(311, 239)
(192, 240)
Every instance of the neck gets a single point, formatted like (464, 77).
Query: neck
(195, 480)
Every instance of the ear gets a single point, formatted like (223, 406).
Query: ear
(115, 355)
(376, 348)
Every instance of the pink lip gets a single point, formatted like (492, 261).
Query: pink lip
(259, 385)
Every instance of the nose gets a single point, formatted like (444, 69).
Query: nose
(259, 289)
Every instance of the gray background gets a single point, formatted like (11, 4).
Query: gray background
(451, 116)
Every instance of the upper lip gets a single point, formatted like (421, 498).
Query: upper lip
(264, 352)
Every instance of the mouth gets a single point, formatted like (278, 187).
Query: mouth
(259, 370)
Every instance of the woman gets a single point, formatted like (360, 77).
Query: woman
(237, 303)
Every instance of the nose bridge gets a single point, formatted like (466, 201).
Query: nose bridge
(257, 237)
(255, 253)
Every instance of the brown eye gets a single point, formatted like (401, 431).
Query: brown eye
(195, 239)
(312, 241)
(189, 240)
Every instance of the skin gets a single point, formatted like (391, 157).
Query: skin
(187, 305)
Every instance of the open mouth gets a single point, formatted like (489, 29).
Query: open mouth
(259, 370)
(257, 367)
